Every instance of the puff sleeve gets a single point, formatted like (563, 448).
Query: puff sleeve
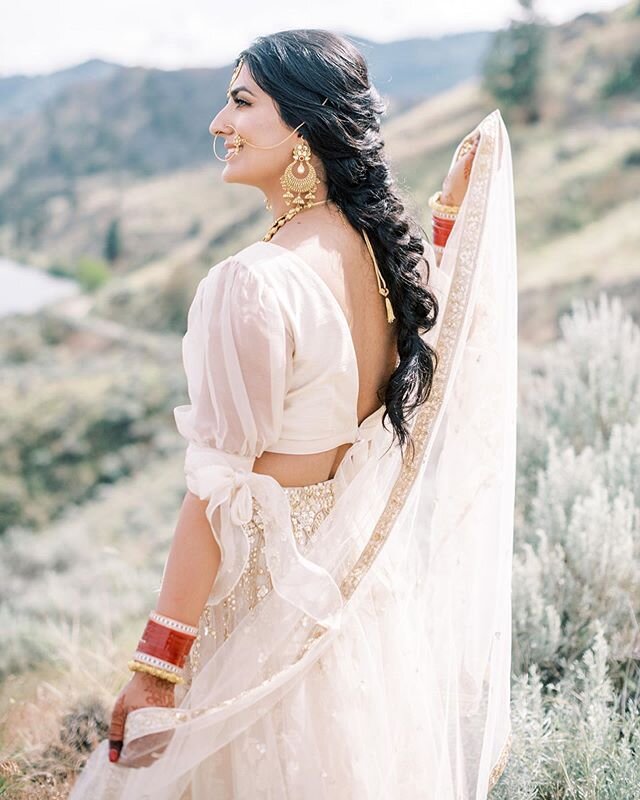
(237, 355)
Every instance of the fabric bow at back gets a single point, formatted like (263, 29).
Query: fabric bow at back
(226, 481)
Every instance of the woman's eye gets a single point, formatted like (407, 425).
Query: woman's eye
(239, 101)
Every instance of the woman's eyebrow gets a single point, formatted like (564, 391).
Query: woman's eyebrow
(235, 91)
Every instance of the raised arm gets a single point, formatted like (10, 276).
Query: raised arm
(444, 204)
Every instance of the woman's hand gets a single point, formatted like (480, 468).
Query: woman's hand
(455, 184)
(143, 690)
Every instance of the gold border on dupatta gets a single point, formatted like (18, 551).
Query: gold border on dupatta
(455, 310)
(501, 763)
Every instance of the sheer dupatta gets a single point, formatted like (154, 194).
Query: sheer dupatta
(432, 534)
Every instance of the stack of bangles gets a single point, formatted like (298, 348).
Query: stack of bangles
(442, 219)
(163, 648)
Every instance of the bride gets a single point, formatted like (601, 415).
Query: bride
(334, 615)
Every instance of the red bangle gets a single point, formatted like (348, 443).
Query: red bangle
(165, 643)
(442, 222)
(442, 225)
(441, 228)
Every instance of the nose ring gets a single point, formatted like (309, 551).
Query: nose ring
(238, 142)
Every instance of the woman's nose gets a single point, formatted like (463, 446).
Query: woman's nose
(217, 125)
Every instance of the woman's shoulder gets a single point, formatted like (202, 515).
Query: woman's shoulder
(303, 295)
(257, 276)
(255, 261)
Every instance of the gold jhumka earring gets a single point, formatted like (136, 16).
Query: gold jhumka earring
(298, 181)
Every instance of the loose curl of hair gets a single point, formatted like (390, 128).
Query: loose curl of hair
(298, 69)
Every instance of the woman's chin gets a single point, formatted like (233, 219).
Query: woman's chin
(229, 171)
(231, 166)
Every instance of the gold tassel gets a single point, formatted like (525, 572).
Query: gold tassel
(390, 314)
(382, 286)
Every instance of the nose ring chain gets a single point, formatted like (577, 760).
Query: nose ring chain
(239, 142)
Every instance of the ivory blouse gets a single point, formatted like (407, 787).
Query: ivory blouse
(270, 365)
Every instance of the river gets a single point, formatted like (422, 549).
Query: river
(25, 289)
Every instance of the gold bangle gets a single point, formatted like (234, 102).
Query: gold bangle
(436, 205)
(138, 666)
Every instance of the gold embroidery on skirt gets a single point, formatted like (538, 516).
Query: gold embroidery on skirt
(309, 506)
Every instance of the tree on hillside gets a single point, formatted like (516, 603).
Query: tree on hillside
(113, 242)
(625, 77)
(513, 66)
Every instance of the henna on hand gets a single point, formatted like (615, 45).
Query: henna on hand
(455, 184)
(157, 691)
(142, 691)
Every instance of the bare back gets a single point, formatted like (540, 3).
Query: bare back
(339, 255)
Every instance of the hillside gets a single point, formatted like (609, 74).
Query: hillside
(577, 171)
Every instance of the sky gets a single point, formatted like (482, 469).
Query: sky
(40, 36)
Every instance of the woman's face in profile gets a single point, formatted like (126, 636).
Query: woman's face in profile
(252, 113)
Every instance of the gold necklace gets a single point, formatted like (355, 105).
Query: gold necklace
(284, 218)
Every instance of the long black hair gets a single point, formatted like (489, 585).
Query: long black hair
(298, 69)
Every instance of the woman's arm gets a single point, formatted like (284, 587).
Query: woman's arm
(190, 570)
(454, 188)
(192, 564)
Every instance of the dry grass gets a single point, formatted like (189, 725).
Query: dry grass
(53, 720)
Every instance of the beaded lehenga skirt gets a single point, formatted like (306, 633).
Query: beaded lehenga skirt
(359, 724)
(309, 506)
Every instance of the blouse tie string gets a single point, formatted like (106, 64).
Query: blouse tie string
(359, 453)
(227, 482)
